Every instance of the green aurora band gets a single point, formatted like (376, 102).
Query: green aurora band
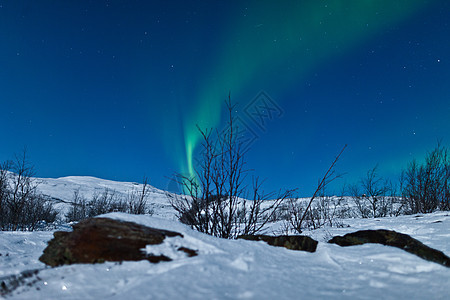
(286, 39)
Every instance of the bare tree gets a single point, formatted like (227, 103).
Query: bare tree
(22, 187)
(375, 196)
(298, 213)
(4, 193)
(21, 206)
(254, 215)
(376, 190)
(214, 197)
(373, 199)
(426, 186)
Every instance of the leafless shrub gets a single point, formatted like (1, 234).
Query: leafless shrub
(101, 203)
(357, 196)
(330, 210)
(38, 213)
(325, 211)
(108, 201)
(296, 211)
(396, 205)
(4, 193)
(105, 202)
(254, 215)
(374, 196)
(78, 209)
(426, 186)
(137, 200)
(21, 206)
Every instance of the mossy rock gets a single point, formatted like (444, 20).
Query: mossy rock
(97, 240)
(394, 239)
(292, 242)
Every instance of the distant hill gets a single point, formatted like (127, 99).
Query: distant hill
(61, 192)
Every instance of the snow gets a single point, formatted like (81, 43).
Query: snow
(61, 191)
(240, 269)
(230, 269)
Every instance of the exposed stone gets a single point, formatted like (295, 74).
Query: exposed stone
(394, 239)
(97, 240)
(292, 242)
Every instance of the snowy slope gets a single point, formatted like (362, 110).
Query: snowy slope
(62, 190)
(238, 269)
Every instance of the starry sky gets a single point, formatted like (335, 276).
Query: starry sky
(115, 89)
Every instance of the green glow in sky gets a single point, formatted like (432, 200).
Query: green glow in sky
(283, 41)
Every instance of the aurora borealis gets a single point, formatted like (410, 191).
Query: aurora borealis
(291, 36)
(115, 89)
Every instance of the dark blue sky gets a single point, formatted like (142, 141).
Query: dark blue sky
(114, 89)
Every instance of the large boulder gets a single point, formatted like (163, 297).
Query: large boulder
(394, 239)
(292, 242)
(97, 240)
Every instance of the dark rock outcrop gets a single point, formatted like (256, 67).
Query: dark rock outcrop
(98, 240)
(292, 242)
(394, 239)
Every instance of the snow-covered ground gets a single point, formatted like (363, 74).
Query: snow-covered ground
(239, 269)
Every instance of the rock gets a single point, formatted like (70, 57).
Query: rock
(292, 242)
(97, 240)
(394, 239)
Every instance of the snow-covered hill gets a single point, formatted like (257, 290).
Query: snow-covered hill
(61, 191)
(239, 269)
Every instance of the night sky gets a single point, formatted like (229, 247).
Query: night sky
(114, 89)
